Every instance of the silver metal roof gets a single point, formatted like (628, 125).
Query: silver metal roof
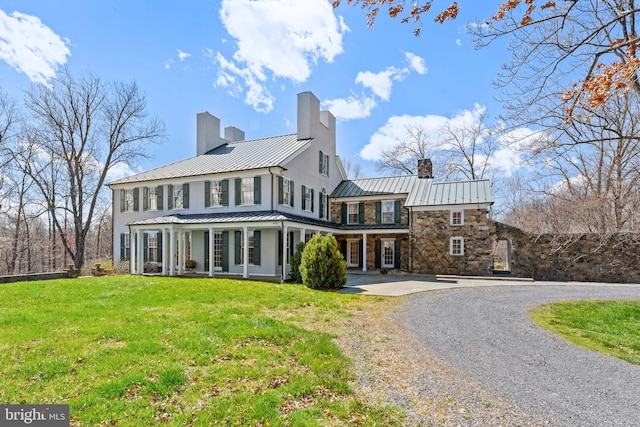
(234, 156)
(428, 193)
(374, 186)
(230, 217)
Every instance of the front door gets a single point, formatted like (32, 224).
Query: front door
(353, 253)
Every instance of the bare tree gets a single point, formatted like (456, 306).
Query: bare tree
(402, 158)
(352, 169)
(80, 128)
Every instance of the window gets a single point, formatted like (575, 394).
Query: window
(307, 199)
(352, 213)
(287, 191)
(129, 201)
(217, 251)
(152, 247)
(457, 246)
(252, 240)
(324, 164)
(324, 208)
(178, 200)
(457, 218)
(153, 198)
(388, 253)
(246, 191)
(388, 212)
(216, 193)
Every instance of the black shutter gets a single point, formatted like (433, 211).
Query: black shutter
(225, 192)
(136, 202)
(396, 254)
(378, 212)
(122, 248)
(145, 247)
(280, 190)
(123, 196)
(378, 254)
(207, 194)
(344, 213)
(396, 212)
(159, 246)
(238, 190)
(312, 198)
(238, 248)
(159, 193)
(304, 198)
(361, 213)
(170, 196)
(321, 158)
(185, 196)
(206, 251)
(360, 253)
(291, 187)
(280, 247)
(327, 164)
(256, 247)
(343, 248)
(257, 190)
(145, 198)
(225, 251)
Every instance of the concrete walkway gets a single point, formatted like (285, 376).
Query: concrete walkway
(396, 285)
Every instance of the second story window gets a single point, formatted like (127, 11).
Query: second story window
(324, 208)
(457, 217)
(129, 201)
(352, 213)
(307, 199)
(152, 198)
(216, 193)
(178, 196)
(324, 164)
(388, 212)
(286, 192)
(246, 191)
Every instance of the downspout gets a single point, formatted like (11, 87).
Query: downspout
(272, 190)
(411, 239)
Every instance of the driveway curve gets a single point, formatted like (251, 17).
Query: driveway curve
(486, 333)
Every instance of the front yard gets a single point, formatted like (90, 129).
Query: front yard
(135, 350)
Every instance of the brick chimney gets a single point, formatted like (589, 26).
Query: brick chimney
(425, 168)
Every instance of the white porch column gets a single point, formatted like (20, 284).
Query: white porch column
(245, 237)
(172, 252)
(140, 252)
(364, 251)
(165, 252)
(210, 252)
(180, 252)
(303, 235)
(285, 236)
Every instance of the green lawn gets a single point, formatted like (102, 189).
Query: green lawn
(133, 350)
(610, 327)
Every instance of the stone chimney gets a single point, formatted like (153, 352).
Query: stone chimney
(207, 133)
(233, 134)
(425, 168)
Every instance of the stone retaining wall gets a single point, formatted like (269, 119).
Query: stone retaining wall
(65, 274)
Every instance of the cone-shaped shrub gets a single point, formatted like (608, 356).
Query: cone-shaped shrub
(322, 265)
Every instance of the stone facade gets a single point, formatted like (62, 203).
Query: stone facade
(577, 257)
(431, 235)
(371, 248)
(369, 212)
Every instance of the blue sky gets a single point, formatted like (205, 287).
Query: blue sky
(244, 61)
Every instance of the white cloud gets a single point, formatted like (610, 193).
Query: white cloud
(183, 55)
(416, 63)
(31, 47)
(120, 170)
(459, 42)
(382, 82)
(350, 108)
(278, 39)
(395, 129)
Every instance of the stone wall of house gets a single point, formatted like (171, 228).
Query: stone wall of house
(369, 212)
(431, 235)
(592, 257)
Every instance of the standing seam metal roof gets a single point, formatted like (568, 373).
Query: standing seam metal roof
(232, 156)
(374, 186)
(429, 193)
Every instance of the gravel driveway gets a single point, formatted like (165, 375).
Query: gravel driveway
(486, 333)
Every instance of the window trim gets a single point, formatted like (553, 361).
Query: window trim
(383, 243)
(392, 212)
(152, 195)
(129, 200)
(451, 217)
(174, 196)
(286, 192)
(357, 212)
(243, 192)
(349, 253)
(452, 252)
(215, 184)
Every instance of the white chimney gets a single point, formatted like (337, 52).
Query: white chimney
(232, 134)
(207, 133)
